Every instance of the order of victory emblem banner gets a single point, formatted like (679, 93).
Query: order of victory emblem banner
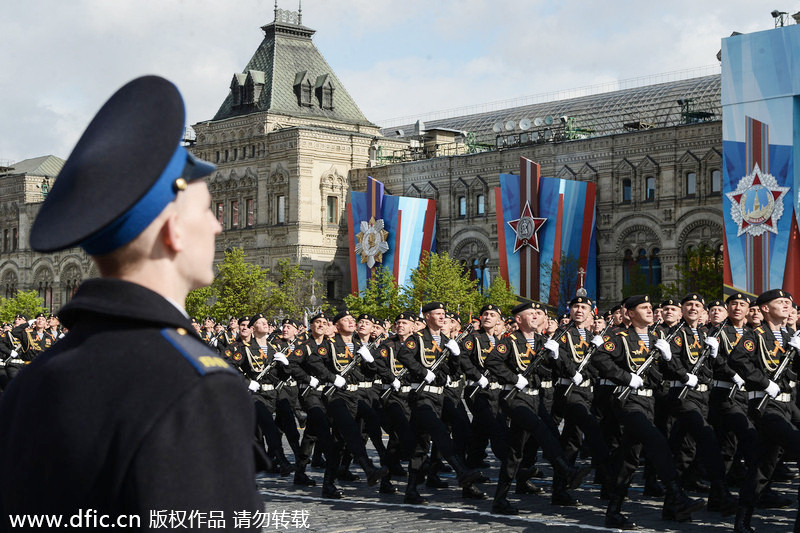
(760, 112)
(389, 231)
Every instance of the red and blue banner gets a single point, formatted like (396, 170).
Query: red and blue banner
(541, 223)
(389, 231)
(761, 127)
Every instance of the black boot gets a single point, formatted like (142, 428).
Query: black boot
(464, 475)
(329, 490)
(412, 496)
(677, 505)
(301, 478)
(772, 499)
(573, 475)
(433, 481)
(501, 505)
(614, 517)
(720, 500)
(387, 487)
(472, 492)
(742, 522)
(652, 487)
(373, 474)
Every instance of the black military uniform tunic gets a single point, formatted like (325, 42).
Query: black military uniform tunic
(123, 449)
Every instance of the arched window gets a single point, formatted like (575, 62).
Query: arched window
(691, 184)
(481, 204)
(716, 182)
(462, 206)
(626, 191)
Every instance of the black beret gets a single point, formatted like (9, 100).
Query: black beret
(580, 300)
(244, 319)
(317, 316)
(693, 297)
(340, 315)
(633, 301)
(716, 303)
(367, 316)
(490, 307)
(432, 306)
(670, 301)
(768, 296)
(406, 315)
(290, 321)
(206, 319)
(563, 316)
(521, 307)
(456, 317)
(127, 166)
(738, 296)
(256, 317)
(40, 315)
(615, 309)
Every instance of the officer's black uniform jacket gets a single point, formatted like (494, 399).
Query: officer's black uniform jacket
(572, 349)
(686, 350)
(756, 357)
(622, 354)
(300, 365)
(332, 356)
(226, 338)
(511, 356)
(130, 412)
(728, 339)
(31, 345)
(252, 360)
(386, 364)
(419, 352)
(474, 351)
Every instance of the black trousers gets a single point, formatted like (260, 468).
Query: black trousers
(691, 415)
(426, 422)
(488, 424)
(578, 418)
(778, 428)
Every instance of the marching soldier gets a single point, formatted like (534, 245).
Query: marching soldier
(508, 362)
(619, 360)
(32, 342)
(756, 358)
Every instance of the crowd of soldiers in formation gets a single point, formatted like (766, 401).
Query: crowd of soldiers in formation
(705, 389)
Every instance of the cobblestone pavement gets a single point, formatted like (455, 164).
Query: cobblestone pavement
(364, 509)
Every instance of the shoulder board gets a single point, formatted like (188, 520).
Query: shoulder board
(202, 358)
(623, 333)
(512, 336)
(759, 330)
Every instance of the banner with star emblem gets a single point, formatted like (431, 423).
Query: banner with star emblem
(389, 231)
(760, 110)
(539, 221)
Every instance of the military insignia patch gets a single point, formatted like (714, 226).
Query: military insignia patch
(384, 352)
(322, 350)
(607, 338)
(298, 352)
(468, 345)
(609, 346)
(501, 348)
(749, 345)
(410, 344)
(679, 341)
(228, 353)
(237, 356)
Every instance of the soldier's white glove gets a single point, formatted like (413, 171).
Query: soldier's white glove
(366, 355)
(663, 347)
(447, 381)
(794, 342)
(213, 341)
(31, 321)
(522, 382)
(636, 381)
(339, 381)
(597, 340)
(253, 385)
(772, 389)
(396, 384)
(313, 382)
(429, 377)
(553, 347)
(452, 345)
(483, 382)
(14, 353)
(738, 380)
(577, 379)
(713, 343)
(61, 336)
(281, 359)
(691, 381)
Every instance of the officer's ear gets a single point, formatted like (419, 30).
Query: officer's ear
(172, 235)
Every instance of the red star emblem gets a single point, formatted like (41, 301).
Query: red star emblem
(526, 227)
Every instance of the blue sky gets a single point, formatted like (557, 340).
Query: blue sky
(397, 58)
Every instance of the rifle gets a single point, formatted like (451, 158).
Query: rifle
(446, 352)
(775, 377)
(652, 355)
(700, 361)
(271, 365)
(585, 361)
(539, 356)
(385, 394)
(485, 375)
(356, 359)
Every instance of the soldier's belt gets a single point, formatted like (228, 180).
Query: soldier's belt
(267, 386)
(365, 384)
(527, 390)
(702, 387)
(723, 384)
(605, 381)
(567, 381)
(318, 387)
(454, 384)
(546, 385)
(403, 388)
(643, 392)
(19, 361)
(429, 388)
(350, 387)
(783, 397)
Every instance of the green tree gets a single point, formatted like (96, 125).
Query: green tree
(27, 303)
(198, 302)
(441, 278)
(294, 291)
(500, 295)
(381, 298)
(701, 273)
(240, 288)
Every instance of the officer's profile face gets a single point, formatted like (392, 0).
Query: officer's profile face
(19, 320)
(777, 309)
(435, 318)
(489, 319)
(641, 315)
(260, 327)
(346, 325)
(196, 229)
(364, 327)
(527, 320)
(289, 331)
(233, 324)
(243, 326)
